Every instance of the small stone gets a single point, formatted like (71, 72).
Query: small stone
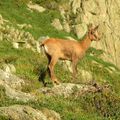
(15, 45)
(6, 68)
(56, 23)
(36, 7)
(12, 68)
(66, 27)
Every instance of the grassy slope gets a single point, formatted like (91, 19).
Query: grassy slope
(29, 63)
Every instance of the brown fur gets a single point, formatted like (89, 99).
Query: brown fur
(67, 50)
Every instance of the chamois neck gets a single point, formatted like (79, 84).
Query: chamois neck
(85, 43)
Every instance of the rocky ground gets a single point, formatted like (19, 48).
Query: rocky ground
(13, 85)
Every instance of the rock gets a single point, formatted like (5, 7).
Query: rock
(40, 39)
(51, 114)
(11, 80)
(80, 30)
(38, 47)
(67, 65)
(24, 26)
(97, 12)
(66, 26)
(18, 37)
(67, 89)
(85, 76)
(21, 112)
(56, 23)
(75, 5)
(13, 86)
(17, 94)
(15, 45)
(9, 68)
(36, 7)
(6, 68)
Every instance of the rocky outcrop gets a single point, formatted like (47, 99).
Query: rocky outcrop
(106, 13)
(21, 112)
(13, 86)
(68, 89)
(17, 94)
(11, 80)
(18, 37)
(9, 68)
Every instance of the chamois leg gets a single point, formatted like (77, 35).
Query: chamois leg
(74, 67)
(49, 59)
(51, 68)
(43, 73)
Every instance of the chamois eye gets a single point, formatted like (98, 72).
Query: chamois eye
(92, 32)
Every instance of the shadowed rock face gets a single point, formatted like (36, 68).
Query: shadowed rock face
(106, 13)
(21, 112)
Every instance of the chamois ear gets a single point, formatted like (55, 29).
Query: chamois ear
(90, 27)
(96, 27)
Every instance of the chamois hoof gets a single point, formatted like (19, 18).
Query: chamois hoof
(56, 82)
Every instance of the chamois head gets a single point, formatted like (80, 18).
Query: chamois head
(93, 33)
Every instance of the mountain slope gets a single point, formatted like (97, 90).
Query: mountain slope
(28, 63)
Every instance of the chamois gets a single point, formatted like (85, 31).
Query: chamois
(56, 49)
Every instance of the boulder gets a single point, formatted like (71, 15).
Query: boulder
(68, 89)
(36, 7)
(85, 75)
(22, 112)
(11, 80)
(13, 86)
(17, 94)
(75, 5)
(9, 68)
(56, 23)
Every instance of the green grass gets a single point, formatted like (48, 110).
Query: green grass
(103, 105)
(41, 22)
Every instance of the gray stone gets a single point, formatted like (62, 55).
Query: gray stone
(66, 26)
(67, 89)
(85, 76)
(17, 94)
(36, 7)
(75, 5)
(9, 68)
(13, 86)
(56, 23)
(21, 112)
(11, 80)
